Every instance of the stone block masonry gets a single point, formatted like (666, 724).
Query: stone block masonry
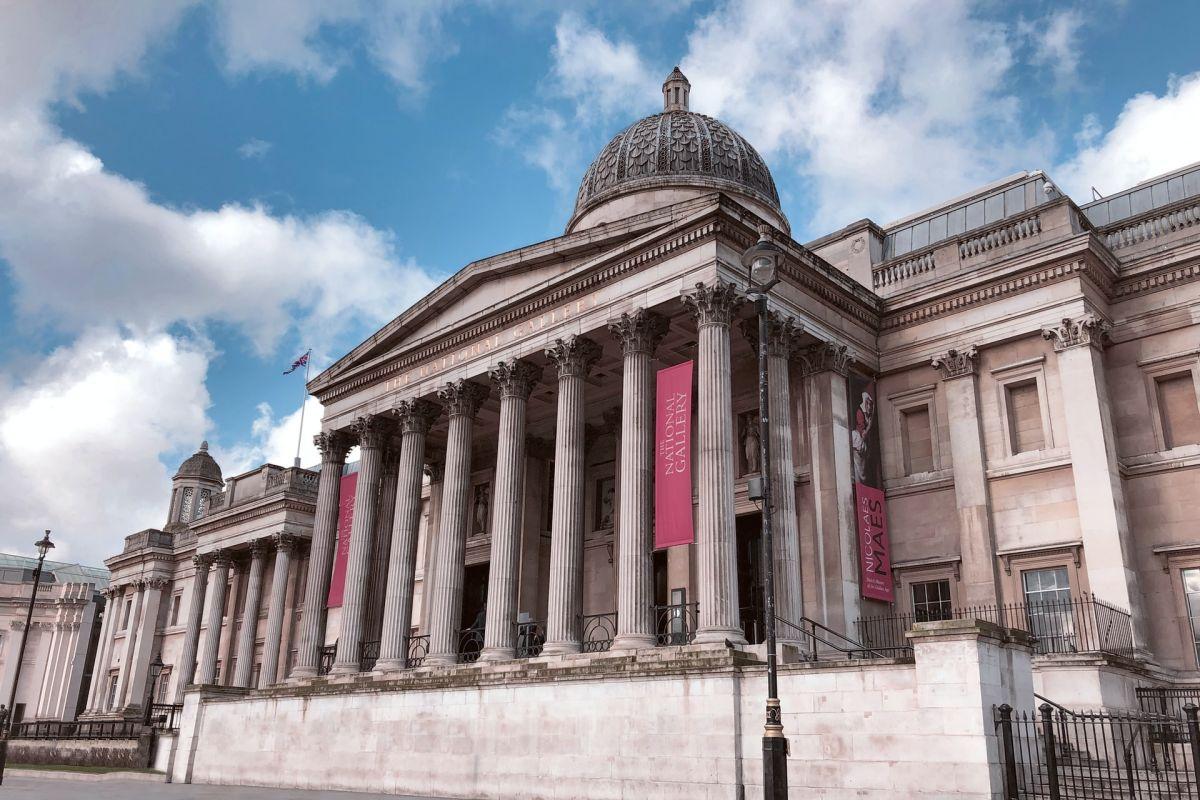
(670, 723)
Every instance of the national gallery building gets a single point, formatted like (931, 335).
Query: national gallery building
(542, 574)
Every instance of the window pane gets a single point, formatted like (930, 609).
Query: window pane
(1191, 590)
(931, 601)
(1025, 417)
(1049, 609)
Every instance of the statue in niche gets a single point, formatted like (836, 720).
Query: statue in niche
(751, 443)
(606, 496)
(480, 512)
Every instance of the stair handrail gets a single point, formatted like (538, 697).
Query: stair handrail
(810, 632)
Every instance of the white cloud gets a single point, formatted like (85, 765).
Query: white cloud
(254, 148)
(1152, 135)
(273, 440)
(81, 434)
(1056, 43)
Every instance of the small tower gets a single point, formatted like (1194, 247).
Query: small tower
(196, 481)
(675, 91)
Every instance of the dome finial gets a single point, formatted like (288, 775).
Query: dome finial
(675, 91)
(204, 446)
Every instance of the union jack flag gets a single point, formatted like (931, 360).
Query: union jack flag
(299, 362)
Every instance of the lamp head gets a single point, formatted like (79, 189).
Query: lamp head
(762, 261)
(44, 546)
(156, 666)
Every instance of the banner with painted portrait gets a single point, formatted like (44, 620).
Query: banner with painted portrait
(870, 506)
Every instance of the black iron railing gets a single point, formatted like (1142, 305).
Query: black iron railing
(1167, 702)
(328, 654)
(821, 643)
(676, 623)
(598, 632)
(165, 716)
(530, 638)
(113, 729)
(1061, 754)
(416, 648)
(1079, 625)
(470, 645)
(368, 654)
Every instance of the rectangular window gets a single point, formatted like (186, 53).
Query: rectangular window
(1049, 609)
(225, 607)
(1178, 410)
(175, 601)
(112, 692)
(917, 440)
(1191, 593)
(1025, 417)
(254, 675)
(931, 601)
(164, 680)
(128, 612)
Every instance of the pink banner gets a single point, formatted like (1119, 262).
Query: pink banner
(673, 457)
(870, 507)
(337, 581)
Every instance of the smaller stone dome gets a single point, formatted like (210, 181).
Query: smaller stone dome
(200, 465)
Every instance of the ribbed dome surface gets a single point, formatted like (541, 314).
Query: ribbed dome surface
(200, 465)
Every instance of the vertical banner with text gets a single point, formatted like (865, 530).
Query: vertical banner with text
(673, 457)
(870, 510)
(337, 581)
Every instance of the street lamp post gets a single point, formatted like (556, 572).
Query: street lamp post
(43, 546)
(762, 262)
(156, 668)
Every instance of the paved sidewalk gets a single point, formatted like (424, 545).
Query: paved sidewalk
(57, 789)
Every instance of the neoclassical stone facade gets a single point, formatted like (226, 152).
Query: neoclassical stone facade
(1034, 362)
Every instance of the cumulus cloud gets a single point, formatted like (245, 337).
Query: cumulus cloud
(1056, 43)
(254, 148)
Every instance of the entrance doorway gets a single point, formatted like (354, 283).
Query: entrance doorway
(474, 611)
(750, 564)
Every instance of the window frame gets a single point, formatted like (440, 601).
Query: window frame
(1022, 372)
(1154, 370)
(948, 600)
(896, 459)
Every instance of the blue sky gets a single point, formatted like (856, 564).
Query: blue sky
(192, 193)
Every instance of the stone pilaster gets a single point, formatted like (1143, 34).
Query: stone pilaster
(285, 545)
(574, 358)
(249, 630)
(461, 400)
(713, 307)
(103, 650)
(515, 380)
(191, 636)
(333, 447)
(1099, 492)
(153, 589)
(372, 436)
(381, 544)
(126, 671)
(639, 333)
(976, 536)
(216, 611)
(414, 417)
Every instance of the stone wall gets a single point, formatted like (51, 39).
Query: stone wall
(667, 723)
(129, 753)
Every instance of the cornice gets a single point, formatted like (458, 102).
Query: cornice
(212, 524)
(1158, 279)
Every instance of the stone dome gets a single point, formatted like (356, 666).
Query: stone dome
(200, 465)
(676, 149)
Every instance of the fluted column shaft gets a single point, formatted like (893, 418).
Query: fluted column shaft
(333, 447)
(789, 596)
(140, 666)
(462, 400)
(574, 357)
(713, 307)
(276, 608)
(191, 636)
(415, 417)
(381, 546)
(371, 439)
(216, 611)
(125, 674)
(515, 379)
(247, 635)
(639, 333)
(103, 654)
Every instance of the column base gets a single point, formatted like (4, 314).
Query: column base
(390, 665)
(441, 660)
(302, 673)
(497, 654)
(734, 636)
(345, 669)
(561, 648)
(634, 641)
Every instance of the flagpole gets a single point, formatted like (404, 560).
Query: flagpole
(303, 403)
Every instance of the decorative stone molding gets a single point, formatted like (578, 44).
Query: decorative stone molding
(259, 547)
(1088, 329)
(713, 304)
(222, 558)
(158, 584)
(515, 378)
(416, 416)
(957, 363)
(285, 543)
(574, 356)
(639, 332)
(334, 446)
(463, 397)
(436, 470)
(371, 432)
(826, 356)
(783, 334)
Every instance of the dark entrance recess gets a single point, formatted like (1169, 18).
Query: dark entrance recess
(661, 592)
(750, 576)
(474, 602)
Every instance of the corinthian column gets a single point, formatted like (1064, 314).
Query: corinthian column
(574, 357)
(191, 636)
(216, 611)
(713, 308)
(333, 447)
(415, 417)
(103, 656)
(284, 545)
(372, 436)
(639, 334)
(462, 400)
(131, 630)
(515, 380)
(381, 545)
(249, 631)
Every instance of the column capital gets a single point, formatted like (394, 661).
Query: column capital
(371, 431)
(222, 558)
(259, 547)
(202, 561)
(515, 378)
(1089, 329)
(157, 583)
(956, 363)
(286, 542)
(416, 415)
(334, 445)
(574, 356)
(640, 331)
(783, 334)
(436, 470)
(714, 303)
(462, 398)
(826, 356)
